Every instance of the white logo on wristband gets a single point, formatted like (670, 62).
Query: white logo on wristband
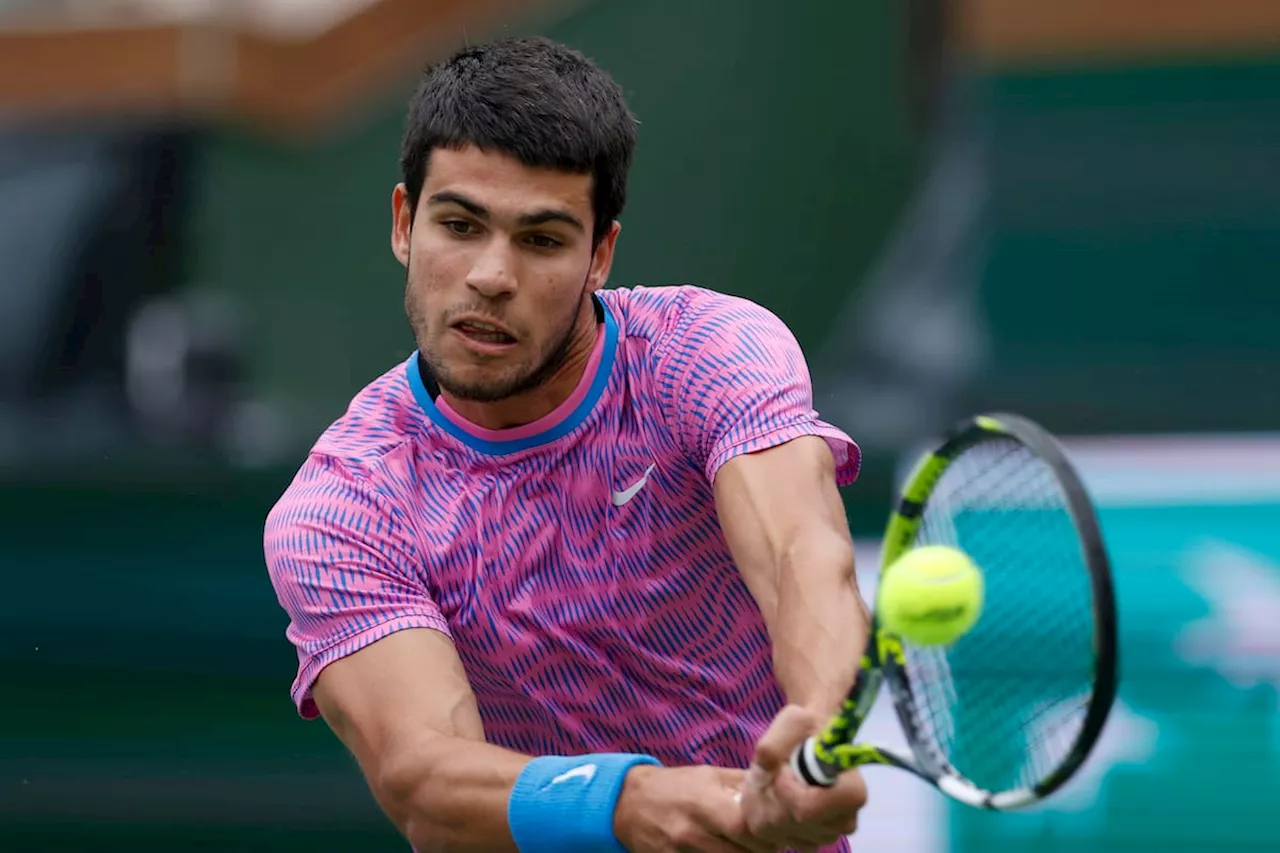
(586, 771)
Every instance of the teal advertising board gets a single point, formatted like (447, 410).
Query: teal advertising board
(1190, 758)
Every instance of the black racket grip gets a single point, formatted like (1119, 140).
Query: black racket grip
(812, 769)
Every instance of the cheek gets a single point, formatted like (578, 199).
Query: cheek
(560, 288)
(551, 301)
(431, 270)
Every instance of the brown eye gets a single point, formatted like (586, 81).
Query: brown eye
(461, 227)
(544, 241)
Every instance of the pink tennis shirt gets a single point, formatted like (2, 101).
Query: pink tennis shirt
(576, 563)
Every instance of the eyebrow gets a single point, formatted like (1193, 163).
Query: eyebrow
(479, 211)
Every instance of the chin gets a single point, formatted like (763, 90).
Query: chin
(479, 386)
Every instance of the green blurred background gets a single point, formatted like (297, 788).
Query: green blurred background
(1090, 241)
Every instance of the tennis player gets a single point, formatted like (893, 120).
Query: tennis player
(575, 576)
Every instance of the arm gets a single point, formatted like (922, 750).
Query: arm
(376, 660)
(785, 526)
(405, 710)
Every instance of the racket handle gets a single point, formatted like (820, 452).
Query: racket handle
(812, 769)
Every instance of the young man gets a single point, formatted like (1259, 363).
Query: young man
(577, 574)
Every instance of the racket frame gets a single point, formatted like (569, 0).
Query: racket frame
(822, 758)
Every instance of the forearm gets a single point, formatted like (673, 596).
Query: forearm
(449, 793)
(819, 624)
(460, 796)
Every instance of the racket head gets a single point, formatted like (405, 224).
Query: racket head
(1006, 715)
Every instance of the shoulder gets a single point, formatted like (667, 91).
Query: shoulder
(677, 315)
(380, 420)
(360, 460)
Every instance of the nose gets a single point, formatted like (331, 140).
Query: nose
(492, 274)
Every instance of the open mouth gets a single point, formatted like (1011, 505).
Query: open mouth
(483, 332)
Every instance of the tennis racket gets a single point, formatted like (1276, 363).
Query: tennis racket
(1008, 713)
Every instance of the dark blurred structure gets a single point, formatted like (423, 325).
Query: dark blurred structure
(1090, 237)
(910, 337)
(93, 228)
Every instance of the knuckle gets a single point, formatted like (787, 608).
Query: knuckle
(757, 822)
(765, 748)
(855, 789)
(797, 717)
(760, 824)
(683, 835)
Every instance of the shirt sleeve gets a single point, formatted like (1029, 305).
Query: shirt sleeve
(733, 380)
(342, 561)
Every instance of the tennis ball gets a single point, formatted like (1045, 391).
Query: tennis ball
(930, 596)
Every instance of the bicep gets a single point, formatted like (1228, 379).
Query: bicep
(384, 699)
(776, 503)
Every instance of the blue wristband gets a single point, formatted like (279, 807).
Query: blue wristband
(565, 804)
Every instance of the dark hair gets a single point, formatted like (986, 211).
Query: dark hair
(540, 102)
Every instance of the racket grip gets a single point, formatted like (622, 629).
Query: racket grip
(812, 769)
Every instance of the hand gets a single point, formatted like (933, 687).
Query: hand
(783, 809)
(664, 809)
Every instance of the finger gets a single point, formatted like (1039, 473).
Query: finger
(848, 792)
(713, 827)
(723, 844)
(800, 837)
(729, 823)
(787, 731)
(705, 839)
(748, 842)
(805, 834)
(852, 789)
(834, 809)
(767, 818)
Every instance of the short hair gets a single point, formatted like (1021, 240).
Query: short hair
(538, 101)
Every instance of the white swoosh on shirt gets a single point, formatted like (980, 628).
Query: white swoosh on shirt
(624, 496)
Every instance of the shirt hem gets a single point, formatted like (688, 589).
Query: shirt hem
(840, 443)
(316, 663)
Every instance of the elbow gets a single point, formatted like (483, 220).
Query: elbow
(402, 788)
(825, 553)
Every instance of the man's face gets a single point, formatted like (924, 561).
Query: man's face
(499, 260)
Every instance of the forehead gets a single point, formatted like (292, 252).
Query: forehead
(504, 184)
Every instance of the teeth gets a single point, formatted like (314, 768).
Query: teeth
(486, 332)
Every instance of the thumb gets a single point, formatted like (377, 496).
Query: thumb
(787, 731)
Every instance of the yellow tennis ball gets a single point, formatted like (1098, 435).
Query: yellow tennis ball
(930, 596)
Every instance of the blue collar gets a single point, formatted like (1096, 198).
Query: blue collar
(497, 448)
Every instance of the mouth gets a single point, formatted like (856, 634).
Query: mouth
(483, 335)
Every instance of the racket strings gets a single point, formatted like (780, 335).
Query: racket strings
(1004, 705)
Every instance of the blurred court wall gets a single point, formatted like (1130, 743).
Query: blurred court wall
(773, 151)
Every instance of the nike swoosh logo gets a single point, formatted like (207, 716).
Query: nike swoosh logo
(624, 496)
(586, 771)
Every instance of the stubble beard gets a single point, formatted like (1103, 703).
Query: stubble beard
(495, 388)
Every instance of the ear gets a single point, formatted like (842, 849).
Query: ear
(602, 258)
(401, 224)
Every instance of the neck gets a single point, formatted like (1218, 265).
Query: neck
(528, 406)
